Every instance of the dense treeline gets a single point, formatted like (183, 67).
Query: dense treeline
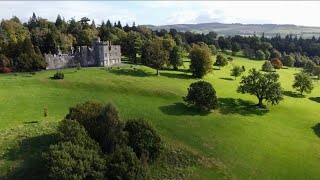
(23, 44)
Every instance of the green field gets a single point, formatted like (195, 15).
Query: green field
(237, 141)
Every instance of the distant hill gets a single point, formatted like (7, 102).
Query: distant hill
(244, 29)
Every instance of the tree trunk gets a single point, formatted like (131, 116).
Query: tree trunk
(158, 73)
(260, 104)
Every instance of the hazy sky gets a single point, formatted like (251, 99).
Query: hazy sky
(170, 12)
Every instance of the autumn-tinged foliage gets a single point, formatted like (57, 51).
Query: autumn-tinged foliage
(276, 63)
(201, 62)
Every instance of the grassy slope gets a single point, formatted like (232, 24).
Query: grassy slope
(244, 142)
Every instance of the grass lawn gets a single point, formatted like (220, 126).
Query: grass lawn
(237, 141)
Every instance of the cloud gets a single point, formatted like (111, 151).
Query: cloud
(98, 11)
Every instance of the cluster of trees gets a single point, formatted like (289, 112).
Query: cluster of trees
(94, 143)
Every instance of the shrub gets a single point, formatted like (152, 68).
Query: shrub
(276, 63)
(78, 66)
(32, 73)
(143, 139)
(58, 75)
(267, 54)
(124, 164)
(6, 70)
(202, 95)
(243, 68)
(102, 123)
(4, 61)
(275, 54)
(267, 66)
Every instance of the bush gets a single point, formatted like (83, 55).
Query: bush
(230, 59)
(143, 139)
(102, 123)
(267, 66)
(72, 161)
(275, 54)
(202, 95)
(124, 164)
(4, 61)
(276, 63)
(267, 54)
(58, 75)
(6, 70)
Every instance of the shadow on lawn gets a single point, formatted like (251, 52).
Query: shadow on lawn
(130, 72)
(30, 152)
(177, 76)
(228, 79)
(181, 109)
(30, 122)
(315, 99)
(239, 106)
(316, 129)
(293, 94)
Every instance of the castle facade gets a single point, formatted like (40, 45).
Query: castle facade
(101, 54)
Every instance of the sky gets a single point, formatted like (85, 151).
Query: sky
(170, 12)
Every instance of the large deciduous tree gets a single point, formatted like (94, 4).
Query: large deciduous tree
(131, 45)
(263, 86)
(156, 56)
(201, 95)
(175, 57)
(236, 71)
(201, 62)
(302, 83)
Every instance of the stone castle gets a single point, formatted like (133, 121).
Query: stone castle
(101, 54)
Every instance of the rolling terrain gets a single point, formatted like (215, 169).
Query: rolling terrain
(244, 29)
(236, 141)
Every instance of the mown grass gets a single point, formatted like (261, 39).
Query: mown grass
(236, 141)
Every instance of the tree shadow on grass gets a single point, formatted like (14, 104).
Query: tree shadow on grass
(181, 109)
(316, 129)
(30, 122)
(292, 94)
(315, 99)
(228, 79)
(239, 106)
(30, 152)
(130, 72)
(177, 76)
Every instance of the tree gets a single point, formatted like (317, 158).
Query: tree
(131, 45)
(156, 56)
(316, 71)
(288, 61)
(260, 55)
(263, 86)
(302, 83)
(236, 71)
(267, 54)
(76, 155)
(201, 62)
(213, 49)
(102, 123)
(124, 164)
(275, 54)
(175, 57)
(309, 67)
(201, 95)
(267, 66)
(235, 48)
(4, 61)
(276, 63)
(221, 61)
(143, 139)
